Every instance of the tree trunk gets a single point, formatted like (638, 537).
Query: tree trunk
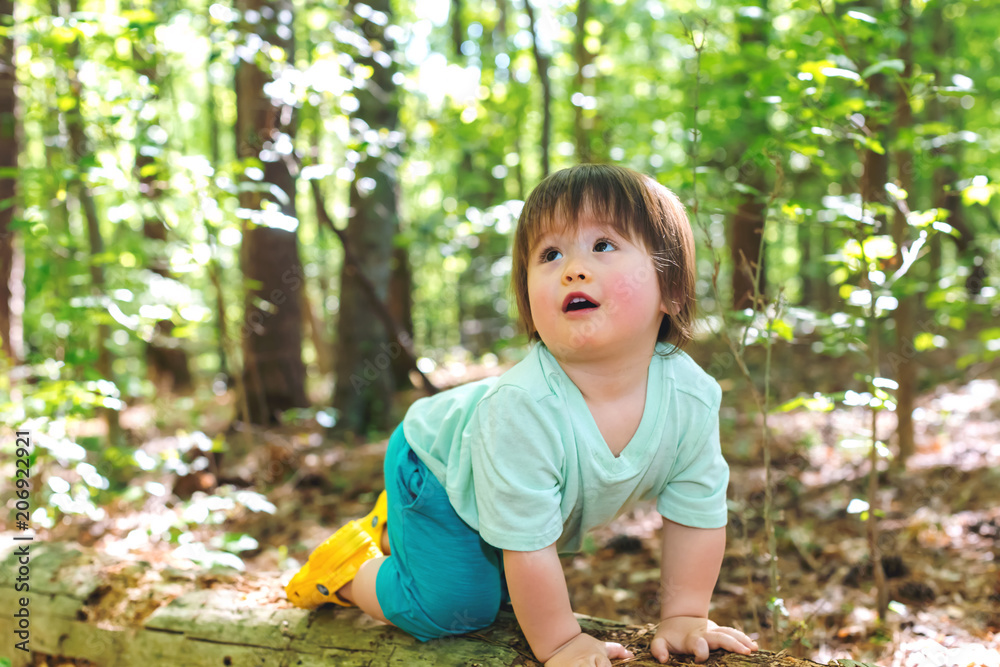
(582, 123)
(80, 153)
(457, 28)
(365, 348)
(948, 157)
(806, 238)
(8, 184)
(273, 372)
(166, 359)
(873, 191)
(222, 340)
(400, 305)
(904, 357)
(88, 606)
(542, 64)
(747, 226)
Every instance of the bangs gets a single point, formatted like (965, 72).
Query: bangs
(616, 201)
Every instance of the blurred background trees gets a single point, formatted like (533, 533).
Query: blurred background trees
(166, 168)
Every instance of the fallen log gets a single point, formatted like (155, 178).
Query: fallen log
(87, 608)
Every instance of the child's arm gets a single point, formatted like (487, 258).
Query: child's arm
(689, 567)
(538, 592)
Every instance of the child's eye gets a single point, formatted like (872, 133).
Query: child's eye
(550, 255)
(604, 245)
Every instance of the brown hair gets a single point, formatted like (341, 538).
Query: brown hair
(636, 207)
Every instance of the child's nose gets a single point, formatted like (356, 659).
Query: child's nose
(575, 274)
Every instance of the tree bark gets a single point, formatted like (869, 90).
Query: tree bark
(806, 234)
(747, 225)
(542, 64)
(457, 29)
(8, 183)
(582, 124)
(948, 157)
(89, 606)
(400, 306)
(381, 310)
(872, 188)
(214, 268)
(365, 348)
(904, 357)
(273, 372)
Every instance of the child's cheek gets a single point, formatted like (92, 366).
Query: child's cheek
(627, 283)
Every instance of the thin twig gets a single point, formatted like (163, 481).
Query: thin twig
(881, 592)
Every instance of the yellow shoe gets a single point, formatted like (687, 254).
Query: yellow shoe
(337, 560)
(374, 523)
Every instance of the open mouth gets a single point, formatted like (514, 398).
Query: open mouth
(578, 301)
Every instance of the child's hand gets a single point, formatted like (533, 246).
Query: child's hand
(586, 651)
(691, 634)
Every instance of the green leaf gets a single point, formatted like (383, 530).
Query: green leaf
(815, 403)
(895, 64)
(788, 406)
(977, 194)
(870, 143)
(139, 16)
(926, 218)
(966, 360)
(989, 334)
(783, 329)
(924, 341)
(880, 247)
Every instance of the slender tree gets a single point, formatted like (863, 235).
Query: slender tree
(948, 156)
(365, 349)
(904, 361)
(8, 182)
(166, 358)
(872, 186)
(81, 153)
(747, 223)
(582, 125)
(273, 372)
(542, 62)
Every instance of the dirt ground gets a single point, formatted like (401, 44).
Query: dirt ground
(939, 528)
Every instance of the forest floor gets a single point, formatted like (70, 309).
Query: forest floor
(940, 533)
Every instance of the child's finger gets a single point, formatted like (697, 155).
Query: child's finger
(728, 642)
(659, 649)
(741, 637)
(700, 649)
(617, 651)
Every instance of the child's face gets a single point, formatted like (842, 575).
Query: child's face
(593, 293)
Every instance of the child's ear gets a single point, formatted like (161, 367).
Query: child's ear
(670, 304)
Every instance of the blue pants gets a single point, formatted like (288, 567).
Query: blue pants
(440, 578)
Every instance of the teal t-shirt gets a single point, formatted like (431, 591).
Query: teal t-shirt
(525, 465)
